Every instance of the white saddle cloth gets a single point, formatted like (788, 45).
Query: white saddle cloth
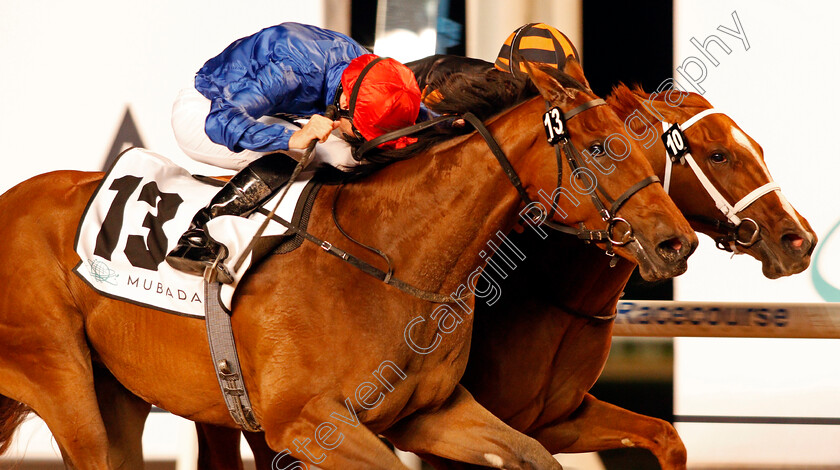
(135, 217)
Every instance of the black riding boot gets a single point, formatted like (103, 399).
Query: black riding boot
(255, 183)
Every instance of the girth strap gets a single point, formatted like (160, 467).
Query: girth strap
(225, 358)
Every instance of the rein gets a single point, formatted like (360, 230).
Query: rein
(559, 135)
(574, 159)
(566, 147)
(678, 151)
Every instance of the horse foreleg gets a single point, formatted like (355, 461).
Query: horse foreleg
(465, 431)
(263, 455)
(597, 425)
(329, 435)
(125, 416)
(45, 364)
(218, 447)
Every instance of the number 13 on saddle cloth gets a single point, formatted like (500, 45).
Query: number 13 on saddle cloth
(144, 203)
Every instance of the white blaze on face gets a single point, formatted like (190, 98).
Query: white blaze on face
(745, 142)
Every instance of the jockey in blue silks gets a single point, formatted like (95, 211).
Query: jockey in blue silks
(228, 118)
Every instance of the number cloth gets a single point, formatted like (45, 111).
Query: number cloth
(135, 217)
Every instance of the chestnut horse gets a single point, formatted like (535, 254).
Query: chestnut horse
(551, 331)
(555, 329)
(555, 322)
(312, 330)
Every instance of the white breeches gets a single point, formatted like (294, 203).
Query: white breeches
(189, 113)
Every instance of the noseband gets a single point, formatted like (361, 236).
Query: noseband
(561, 141)
(556, 131)
(558, 136)
(676, 146)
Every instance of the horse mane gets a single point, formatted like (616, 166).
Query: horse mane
(492, 91)
(485, 94)
(625, 99)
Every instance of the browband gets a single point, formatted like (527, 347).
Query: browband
(729, 210)
(589, 104)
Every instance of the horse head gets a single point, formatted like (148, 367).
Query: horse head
(641, 222)
(723, 185)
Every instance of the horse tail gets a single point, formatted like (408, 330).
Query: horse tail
(12, 414)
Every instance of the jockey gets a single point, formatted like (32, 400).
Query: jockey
(227, 118)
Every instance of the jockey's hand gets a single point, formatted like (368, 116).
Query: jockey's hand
(318, 127)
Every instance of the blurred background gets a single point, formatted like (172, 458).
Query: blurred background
(82, 80)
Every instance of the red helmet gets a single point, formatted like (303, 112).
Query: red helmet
(386, 99)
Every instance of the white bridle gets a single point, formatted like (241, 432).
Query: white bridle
(729, 210)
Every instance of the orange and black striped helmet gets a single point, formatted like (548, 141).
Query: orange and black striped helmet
(535, 42)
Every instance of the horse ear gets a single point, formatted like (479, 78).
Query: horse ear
(574, 70)
(550, 89)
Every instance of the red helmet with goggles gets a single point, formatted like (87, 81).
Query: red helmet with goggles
(383, 96)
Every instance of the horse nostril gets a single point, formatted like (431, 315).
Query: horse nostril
(795, 240)
(670, 249)
(795, 243)
(676, 244)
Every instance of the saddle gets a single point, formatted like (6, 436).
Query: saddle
(140, 209)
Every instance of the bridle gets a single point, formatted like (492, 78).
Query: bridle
(558, 136)
(678, 151)
(575, 160)
(562, 145)
(561, 141)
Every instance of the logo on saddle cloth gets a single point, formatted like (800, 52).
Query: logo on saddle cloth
(135, 217)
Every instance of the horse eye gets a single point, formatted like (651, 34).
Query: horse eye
(718, 158)
(596, 149)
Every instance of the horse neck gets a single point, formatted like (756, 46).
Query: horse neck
(441, 207)
(583, 280)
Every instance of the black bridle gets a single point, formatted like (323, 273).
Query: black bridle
(575, 161)
(730, 237)
(562, 146)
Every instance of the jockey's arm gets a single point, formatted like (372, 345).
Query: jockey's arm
(232, 121)
(318, 127)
